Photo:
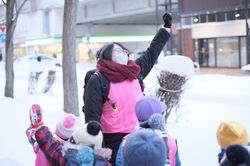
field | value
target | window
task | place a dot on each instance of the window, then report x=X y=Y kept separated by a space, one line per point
x=203 y=18
x=211 y=17
x=203 y=52
x=221 y=16
x=231 y=15
x=243 y=51
x=186 y=20
x=46 y=25
x=227 y=52
x=211 y=52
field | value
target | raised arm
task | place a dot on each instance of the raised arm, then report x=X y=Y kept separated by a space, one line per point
x=147 y=61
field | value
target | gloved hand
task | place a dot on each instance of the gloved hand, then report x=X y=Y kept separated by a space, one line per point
x=167 y=18
x=103 y=152
x=30 y=132
x=36 y=116
x=35 y=147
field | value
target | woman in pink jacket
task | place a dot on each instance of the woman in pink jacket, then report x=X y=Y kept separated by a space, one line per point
x=116 y=111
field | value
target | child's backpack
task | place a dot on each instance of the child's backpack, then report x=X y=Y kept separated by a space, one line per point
x=105 y=85
x=172 y=154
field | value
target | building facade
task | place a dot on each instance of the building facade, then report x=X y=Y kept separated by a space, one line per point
x=214 y=33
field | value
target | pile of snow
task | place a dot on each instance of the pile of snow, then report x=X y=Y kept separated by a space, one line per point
x=176 y=64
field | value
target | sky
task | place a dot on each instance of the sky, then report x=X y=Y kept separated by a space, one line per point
x=206 y=101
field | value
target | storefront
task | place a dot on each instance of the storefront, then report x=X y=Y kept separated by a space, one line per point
x=50 y=45
x=215 y=36
x=91 y=44
x=221 y=52
x=216 y=44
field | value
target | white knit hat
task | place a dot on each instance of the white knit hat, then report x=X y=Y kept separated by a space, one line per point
x=89 y=134
x=66 y=126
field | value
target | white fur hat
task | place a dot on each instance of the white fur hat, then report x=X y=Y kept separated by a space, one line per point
x=89 y=134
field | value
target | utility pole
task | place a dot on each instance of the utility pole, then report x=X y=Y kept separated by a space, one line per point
x=247 y=33
x=156 y=15
x=170 y=10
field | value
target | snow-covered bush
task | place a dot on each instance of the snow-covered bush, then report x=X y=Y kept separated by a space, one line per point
x=172 y=74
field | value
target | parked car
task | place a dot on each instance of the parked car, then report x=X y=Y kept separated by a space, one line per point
x=45 y=59
x=246 y=69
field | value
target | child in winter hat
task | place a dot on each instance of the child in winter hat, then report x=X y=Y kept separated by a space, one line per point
x=236 y=155
x=88 y=134
x=156 y=123
x=66 y=126
x=230 y=132
x=144 y=147
x=147 y=106
x=36 y=120
x=42 y=139
x=86 y=137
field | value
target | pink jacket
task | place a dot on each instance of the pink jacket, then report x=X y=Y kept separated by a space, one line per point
x=123 y=119
x=41 y=159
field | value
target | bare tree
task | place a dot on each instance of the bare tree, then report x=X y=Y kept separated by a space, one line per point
x=69 y=49
x=12 y=12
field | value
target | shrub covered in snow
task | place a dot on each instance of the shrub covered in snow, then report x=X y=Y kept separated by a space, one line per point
x=173 y=73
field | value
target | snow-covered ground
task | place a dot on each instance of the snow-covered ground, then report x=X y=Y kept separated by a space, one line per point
x=208 y=99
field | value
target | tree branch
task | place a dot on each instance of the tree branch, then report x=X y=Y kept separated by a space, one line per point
x=3 y=2
x=18 y=9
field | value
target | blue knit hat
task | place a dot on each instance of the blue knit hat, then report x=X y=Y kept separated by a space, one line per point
x=157 y=121
x=147 y=106
x=144 y=147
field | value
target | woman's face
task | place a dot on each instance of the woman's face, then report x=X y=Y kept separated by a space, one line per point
x=119 y=55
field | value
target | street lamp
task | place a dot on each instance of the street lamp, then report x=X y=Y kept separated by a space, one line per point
x=195 y=19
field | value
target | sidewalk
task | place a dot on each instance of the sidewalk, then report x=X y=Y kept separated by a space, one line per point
x=224 y=71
